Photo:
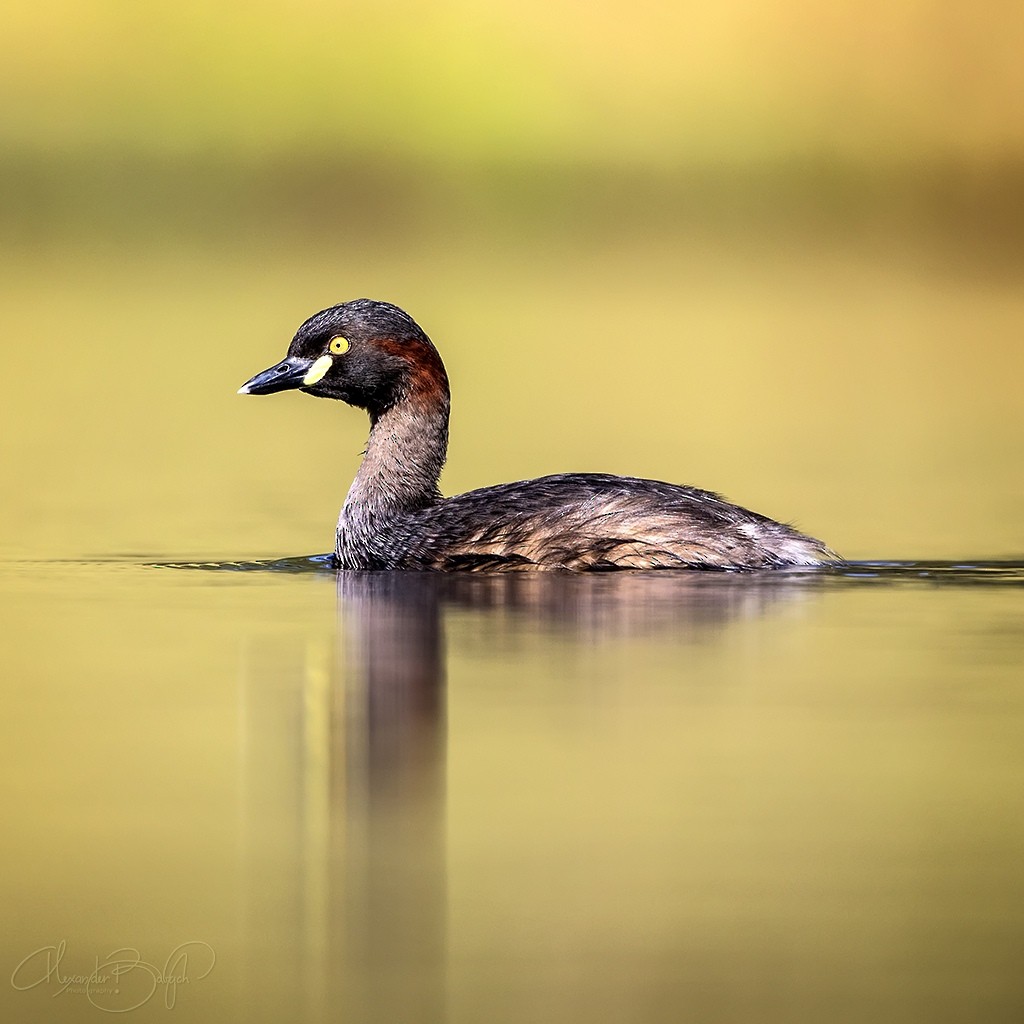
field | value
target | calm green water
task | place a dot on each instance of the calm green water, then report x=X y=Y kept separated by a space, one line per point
x=636 y=797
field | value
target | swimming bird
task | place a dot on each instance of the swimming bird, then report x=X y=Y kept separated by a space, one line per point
x=374 y=356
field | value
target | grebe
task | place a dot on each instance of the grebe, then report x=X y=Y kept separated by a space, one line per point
x=375 y=356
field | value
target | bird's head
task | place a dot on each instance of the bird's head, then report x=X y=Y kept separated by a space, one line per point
x=370 y=354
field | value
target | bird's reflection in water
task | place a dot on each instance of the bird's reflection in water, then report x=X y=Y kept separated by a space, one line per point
x=599 y=606
x=369 y=840
x=391 y=810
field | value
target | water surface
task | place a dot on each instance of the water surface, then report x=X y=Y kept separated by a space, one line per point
x=401 y=796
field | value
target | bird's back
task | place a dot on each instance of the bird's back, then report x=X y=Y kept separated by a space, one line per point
x=582 y=521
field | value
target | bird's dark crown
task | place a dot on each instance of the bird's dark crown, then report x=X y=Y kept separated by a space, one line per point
x=360 y=320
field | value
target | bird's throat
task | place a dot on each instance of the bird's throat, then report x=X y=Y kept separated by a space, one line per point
x=402 y=464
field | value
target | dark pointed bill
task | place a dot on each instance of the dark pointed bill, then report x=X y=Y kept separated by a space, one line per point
x=292 y=373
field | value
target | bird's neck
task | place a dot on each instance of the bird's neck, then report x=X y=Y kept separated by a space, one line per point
x=402 y=463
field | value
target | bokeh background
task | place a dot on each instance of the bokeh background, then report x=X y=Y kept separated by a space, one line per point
x=769 y=248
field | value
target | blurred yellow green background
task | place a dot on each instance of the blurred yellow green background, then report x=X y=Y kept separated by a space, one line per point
x=772 y=249
x=607 y=84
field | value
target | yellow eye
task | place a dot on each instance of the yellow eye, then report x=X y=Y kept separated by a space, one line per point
x=339 y=345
